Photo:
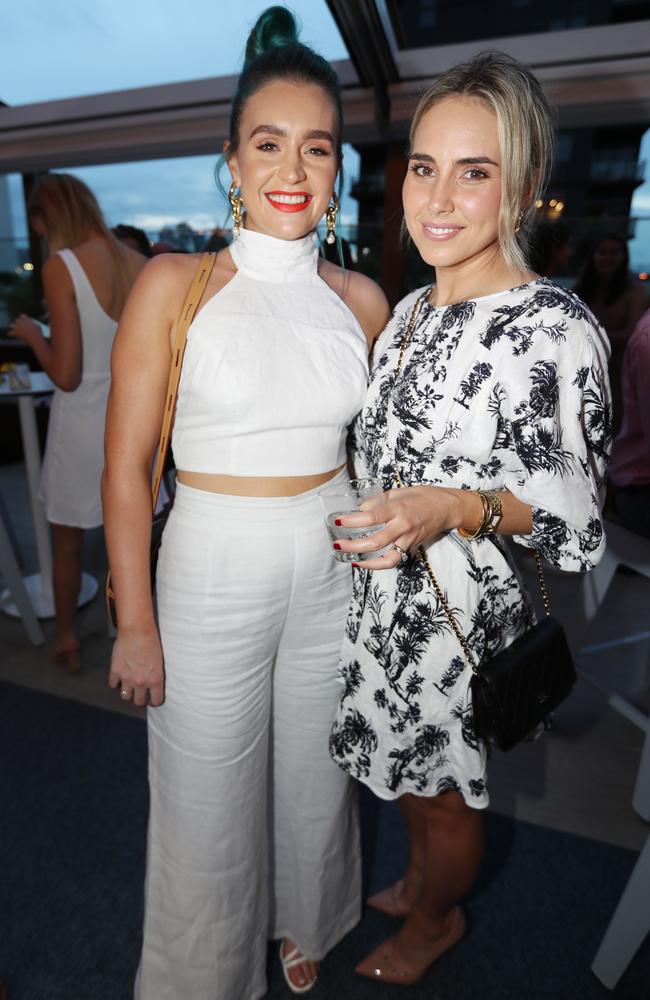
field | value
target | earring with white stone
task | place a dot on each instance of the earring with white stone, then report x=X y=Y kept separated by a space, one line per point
x=330 y=218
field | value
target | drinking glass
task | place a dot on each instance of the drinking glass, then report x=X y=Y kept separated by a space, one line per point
x=346 y=498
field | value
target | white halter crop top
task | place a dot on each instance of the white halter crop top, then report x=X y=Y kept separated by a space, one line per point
x=275 y=368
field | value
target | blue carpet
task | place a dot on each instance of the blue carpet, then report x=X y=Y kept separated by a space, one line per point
x=72 y=833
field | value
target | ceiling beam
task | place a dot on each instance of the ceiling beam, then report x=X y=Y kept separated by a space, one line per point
x=596 y=80
x=148 y=123
x=370 y=50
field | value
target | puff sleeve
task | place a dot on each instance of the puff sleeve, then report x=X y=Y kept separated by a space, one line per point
x=555 y=429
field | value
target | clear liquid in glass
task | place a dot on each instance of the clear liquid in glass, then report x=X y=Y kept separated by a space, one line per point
x=338 y=532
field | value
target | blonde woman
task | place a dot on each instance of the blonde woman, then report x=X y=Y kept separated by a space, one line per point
x=86 y=281
x=493 y=379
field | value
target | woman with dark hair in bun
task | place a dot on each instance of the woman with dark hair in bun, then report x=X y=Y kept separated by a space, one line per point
x=253 y=831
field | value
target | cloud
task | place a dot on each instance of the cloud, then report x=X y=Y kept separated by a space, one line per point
x=63 y=48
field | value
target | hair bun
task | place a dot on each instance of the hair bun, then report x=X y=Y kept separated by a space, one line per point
x=275 y=27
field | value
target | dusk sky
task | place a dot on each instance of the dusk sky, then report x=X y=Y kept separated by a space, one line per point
x=63 y=48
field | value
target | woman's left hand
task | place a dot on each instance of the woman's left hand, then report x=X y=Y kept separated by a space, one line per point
x=412 y=516
x=24 y=328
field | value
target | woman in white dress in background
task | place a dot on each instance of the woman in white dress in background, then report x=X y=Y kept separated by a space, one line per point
x=86 y=281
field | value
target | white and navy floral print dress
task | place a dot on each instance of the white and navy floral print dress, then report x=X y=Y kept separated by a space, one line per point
x=508 y=391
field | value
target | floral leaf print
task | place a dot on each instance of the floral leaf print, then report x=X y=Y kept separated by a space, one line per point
x=470 y=386
x=477 y=786
x=466 y=716
x=352 y=677
x=451 y=675
x=429 y=741
x=532 y=415
x=447 y=784
x=354 y=734
x=597 y=419
x=581 y=377
x=545 y=389
x=541 y=449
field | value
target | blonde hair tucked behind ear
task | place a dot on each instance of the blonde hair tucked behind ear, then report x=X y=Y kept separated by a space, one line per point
x=526 y=129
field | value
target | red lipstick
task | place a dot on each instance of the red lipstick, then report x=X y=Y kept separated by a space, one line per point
x=289 y=201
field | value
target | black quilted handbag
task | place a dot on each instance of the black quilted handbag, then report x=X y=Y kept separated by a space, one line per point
x=517 y=689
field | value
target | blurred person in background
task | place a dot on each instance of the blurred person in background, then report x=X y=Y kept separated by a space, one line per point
x=617 y=300
x=629 y=471
x=218 y=240
x=253 y=832
x=86 y=280
x=550 y=250
x=163 y=246
x=133 y=237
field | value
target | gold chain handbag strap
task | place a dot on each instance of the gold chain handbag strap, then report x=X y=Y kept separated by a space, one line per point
x=421 y=550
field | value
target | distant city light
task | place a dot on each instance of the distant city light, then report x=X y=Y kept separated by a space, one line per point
x=28 y=267
x=644 y=276
x=539 y=203
x=558 y=206
x=552 y=202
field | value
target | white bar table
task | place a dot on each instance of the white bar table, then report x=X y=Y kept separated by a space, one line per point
x=39 y=585
x=16 y=590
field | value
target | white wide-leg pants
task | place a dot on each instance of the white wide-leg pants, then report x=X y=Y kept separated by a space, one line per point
x=253 y=831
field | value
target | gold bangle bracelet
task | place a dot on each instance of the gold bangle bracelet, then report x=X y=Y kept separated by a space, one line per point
x=492 y=514
x=465 y=532
x=495 y=506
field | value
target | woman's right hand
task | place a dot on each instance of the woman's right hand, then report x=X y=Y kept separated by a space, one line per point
x=137 y=667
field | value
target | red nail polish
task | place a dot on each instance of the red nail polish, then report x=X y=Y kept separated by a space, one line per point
x=355 y=565
x=338 y=522
x=337 y=546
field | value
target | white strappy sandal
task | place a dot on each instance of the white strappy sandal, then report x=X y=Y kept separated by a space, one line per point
x=290 y=961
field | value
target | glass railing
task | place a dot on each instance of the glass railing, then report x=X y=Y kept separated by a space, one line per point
x=363 y=247
x=16 y=285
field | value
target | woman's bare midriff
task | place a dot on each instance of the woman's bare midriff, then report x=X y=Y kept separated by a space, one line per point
x=255 y=486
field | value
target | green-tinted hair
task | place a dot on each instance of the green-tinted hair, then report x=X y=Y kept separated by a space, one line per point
x=273 y=52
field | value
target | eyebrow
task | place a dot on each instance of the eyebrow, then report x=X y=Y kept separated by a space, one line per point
x=316 y=133
x=464 y=161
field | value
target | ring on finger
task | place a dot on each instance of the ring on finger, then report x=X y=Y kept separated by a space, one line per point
x=125 y=693
x=403 y=555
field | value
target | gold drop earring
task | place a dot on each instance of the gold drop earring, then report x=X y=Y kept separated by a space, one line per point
x=519 y=222
x=330 y=217
x=237 y=205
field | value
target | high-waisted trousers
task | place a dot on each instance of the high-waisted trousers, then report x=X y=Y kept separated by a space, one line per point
x=253 y=831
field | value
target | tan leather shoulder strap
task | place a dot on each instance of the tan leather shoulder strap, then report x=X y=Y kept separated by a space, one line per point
x=192 y=302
